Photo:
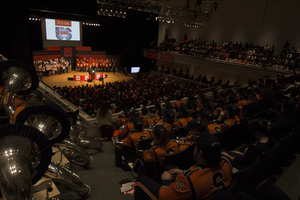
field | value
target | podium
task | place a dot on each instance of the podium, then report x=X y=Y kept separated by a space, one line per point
x=92 y=73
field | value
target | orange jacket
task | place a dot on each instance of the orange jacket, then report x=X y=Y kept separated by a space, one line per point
x=132 y=140
x=206 y=180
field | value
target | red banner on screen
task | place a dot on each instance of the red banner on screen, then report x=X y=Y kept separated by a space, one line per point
x=151 y=55
x=83 y=48
x=86 y=77
x=97 y=76
x=82 y=77
x=59 y=22
x=53 y=48
x=166 y=57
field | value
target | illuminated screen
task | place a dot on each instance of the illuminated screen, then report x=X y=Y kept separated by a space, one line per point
x=65 y=30
x=135 y=70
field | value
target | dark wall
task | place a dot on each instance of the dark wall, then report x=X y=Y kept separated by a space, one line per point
x=14 y=34
x=117 y=36
x=261 y=22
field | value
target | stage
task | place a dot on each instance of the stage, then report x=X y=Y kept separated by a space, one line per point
x=62 y=79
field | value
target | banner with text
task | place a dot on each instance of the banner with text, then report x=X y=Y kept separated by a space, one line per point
x=166 y=57
x=151 y=55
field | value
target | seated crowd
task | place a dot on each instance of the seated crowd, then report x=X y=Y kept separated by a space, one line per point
x=201 y=79
x=99 y=64
x=235 y=52
x=267 y=105
x=271 y=108
x=130 y=93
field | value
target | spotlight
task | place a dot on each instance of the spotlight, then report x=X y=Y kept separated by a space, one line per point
x=29 y=18
x=105 y=12
x=83 y=23
x=110 y=13
x=120 y=14
x=173 y=21
x=100 y=12
x=124 y=15
x=36 y=19
x=115 y=14
x=39 y=19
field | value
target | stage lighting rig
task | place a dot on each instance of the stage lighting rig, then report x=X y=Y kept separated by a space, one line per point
x=194 y=12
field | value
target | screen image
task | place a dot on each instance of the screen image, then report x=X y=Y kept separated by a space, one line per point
x=135 y=70
x=65 y=30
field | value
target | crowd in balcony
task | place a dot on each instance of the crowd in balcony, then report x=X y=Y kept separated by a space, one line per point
x=238 y=52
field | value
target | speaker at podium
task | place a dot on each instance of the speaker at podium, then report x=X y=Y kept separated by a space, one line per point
x=92 y=72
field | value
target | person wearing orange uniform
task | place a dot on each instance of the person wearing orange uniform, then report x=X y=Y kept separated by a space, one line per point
x=195 y=128
x=169 y=122
x=210 y=173
x=152 y=118
x=229 y=117
x=129 y=145
x=184 y=114
x=123 y=120
x=154 y=157
x=123 y=131
x=177 y=103
x=208 y=118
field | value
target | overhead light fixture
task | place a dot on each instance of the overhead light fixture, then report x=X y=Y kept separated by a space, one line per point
x=124 y=15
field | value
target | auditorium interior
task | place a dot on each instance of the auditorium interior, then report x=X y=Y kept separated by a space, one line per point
x=79 y=77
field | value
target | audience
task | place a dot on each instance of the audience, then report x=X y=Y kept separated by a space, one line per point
x=259 y=129
x=215 y=113
x=289 y=58
x=210 y=173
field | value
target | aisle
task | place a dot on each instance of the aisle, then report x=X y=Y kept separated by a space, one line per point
x=102 y=175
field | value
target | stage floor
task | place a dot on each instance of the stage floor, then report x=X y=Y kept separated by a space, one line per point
x=62 y=79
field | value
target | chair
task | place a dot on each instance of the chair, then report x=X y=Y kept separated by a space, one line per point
x=260 y=172
x=240 y=178
x=294 y=140
x=106 y=131
x=234 y=136
x=144 y=144
x=183 y=159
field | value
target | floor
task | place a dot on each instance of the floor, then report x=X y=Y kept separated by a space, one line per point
x=62 y=79
x=101 y=175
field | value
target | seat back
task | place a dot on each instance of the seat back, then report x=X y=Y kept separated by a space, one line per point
x=259 y=173
x=240 y=178
x=106 y=131
x=144 y=144
x=234 y=136
x=183 y=159
x=294 y=140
